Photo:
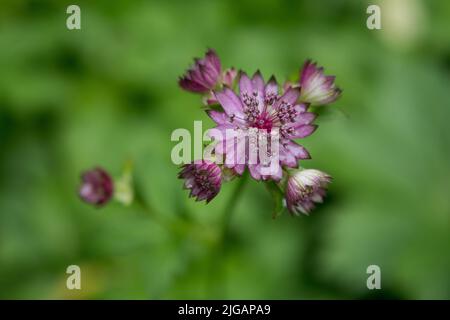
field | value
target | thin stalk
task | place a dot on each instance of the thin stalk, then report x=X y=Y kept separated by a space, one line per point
x=231 y=205
x=216 y=275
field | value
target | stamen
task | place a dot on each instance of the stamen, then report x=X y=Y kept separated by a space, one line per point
x=251 y=106
x=286 y=112
x=270 y=98
x=286 y=131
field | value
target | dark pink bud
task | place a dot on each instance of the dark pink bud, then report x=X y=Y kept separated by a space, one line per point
x=203 y=178
x=97 y=186
x=204 y=75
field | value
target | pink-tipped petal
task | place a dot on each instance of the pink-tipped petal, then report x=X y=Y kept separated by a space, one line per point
x=218 y=117
x=258 y=83
x=271 y=88
x=213 y=59
x=229 y=102
x=305 y=118
x=245 y=84
x=290 y=96
x=303 y=131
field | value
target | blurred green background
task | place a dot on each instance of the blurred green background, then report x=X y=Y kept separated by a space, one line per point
x=70 y=100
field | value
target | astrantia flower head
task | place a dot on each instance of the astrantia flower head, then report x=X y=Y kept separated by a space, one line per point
x=203 y=178
x=317 y=88
x=204 y=75
x=261 y=109
x=304 y=189
x=257 y=124
x=97 y=186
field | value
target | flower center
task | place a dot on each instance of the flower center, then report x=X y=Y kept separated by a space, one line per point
x=265 y=117
x=263 y=122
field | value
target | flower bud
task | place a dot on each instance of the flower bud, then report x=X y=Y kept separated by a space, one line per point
x=304 y=189
x=204 y=75
x=203 y=178
x=316 y=88
x=97 y=186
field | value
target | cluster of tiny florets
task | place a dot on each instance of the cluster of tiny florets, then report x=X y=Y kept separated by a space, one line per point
x=260 y=108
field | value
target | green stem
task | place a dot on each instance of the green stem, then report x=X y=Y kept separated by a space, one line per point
x=231 y=205
x=216 y=274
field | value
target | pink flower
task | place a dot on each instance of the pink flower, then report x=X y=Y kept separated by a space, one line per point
x=203 y=178
x=97 y=186
x=204 y=75
x=316 y=88
x=261 y=110
x=304 y=189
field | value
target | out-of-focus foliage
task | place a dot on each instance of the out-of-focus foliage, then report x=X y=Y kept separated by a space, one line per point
x=70 y=100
